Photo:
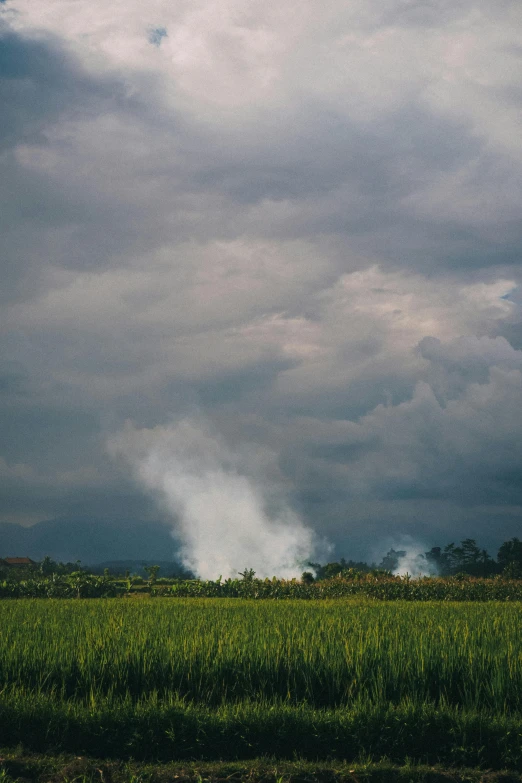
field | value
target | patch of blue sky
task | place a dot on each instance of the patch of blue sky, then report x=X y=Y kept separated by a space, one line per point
x=509 y=294
x=156 y=34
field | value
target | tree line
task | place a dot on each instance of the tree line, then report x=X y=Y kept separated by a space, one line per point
x=467 y=558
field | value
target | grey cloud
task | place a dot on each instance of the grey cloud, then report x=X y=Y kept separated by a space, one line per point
x=455 y=365
x=465 y=450
x=41 y=216
x=163 y=252
x=25 y=500
x=36 y=84
x=41 y=82
x=513 y=333
x=314 y=150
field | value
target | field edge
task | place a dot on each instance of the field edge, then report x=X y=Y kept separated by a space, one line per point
x=17 y=766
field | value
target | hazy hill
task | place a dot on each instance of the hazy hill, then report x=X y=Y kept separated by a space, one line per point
x=89 y=540
x=167 y=568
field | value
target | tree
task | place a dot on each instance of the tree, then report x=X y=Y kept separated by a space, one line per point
x=391 y=561
x=512 y=571
x=487 y=564
x=467 y=558
x=434 y=554
x=471 y=554
x=248 y=574
x=473 y=560
x=510 y=552
x=48 y=566
x=152 y=571
x=452 y=559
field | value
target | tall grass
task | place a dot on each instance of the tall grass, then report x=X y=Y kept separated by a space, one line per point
x=189 y=669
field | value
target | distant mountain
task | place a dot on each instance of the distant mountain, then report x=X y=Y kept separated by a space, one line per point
x=89 y=540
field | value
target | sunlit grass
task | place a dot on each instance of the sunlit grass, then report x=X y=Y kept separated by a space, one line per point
x=325 y=653
x=229 y=677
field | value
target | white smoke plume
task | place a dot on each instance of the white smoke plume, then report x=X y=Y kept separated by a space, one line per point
x=229 y=509
x=414 y=564
x=412 y=560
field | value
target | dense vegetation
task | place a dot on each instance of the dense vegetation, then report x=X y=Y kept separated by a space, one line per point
x=349 y=583
x=162 y=679
x=380 y=586
x=466 y=558
x=78 y=584
x=458 y=573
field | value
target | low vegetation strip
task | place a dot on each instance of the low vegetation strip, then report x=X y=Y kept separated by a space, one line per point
x=382 y=587
x=19 y=767
x=158 y=731
x=234 y=679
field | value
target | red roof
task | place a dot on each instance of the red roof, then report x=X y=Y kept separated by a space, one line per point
x=18 y=561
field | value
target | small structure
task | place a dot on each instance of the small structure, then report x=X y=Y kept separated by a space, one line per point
x=17 y=562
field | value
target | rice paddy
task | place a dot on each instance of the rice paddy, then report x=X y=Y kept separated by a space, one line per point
x=182 y=679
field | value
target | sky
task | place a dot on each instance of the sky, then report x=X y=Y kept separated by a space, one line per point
x=287 y=235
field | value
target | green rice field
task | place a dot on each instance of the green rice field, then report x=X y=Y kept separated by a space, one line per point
x=162 y=679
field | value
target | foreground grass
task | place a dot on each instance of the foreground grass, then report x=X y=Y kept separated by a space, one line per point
x=19 y=767
x=161 y=680
x=152 y=731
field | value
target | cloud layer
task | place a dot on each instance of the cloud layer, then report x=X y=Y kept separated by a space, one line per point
x=300 y=223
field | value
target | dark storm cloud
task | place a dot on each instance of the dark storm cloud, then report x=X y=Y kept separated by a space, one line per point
x=36 y=84
x=454 y=454
x=40 y=85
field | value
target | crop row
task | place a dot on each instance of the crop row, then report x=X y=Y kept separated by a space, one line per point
x=383 y=588
x=368 y=586
x=326 y=654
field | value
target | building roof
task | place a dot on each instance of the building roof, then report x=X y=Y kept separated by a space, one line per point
x=18 y=561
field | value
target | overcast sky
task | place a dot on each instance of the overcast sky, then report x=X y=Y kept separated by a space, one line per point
x=298 y=222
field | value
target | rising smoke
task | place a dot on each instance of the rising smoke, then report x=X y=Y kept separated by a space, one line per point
x=411 y=559
x=413 y=563
x=228 y=509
